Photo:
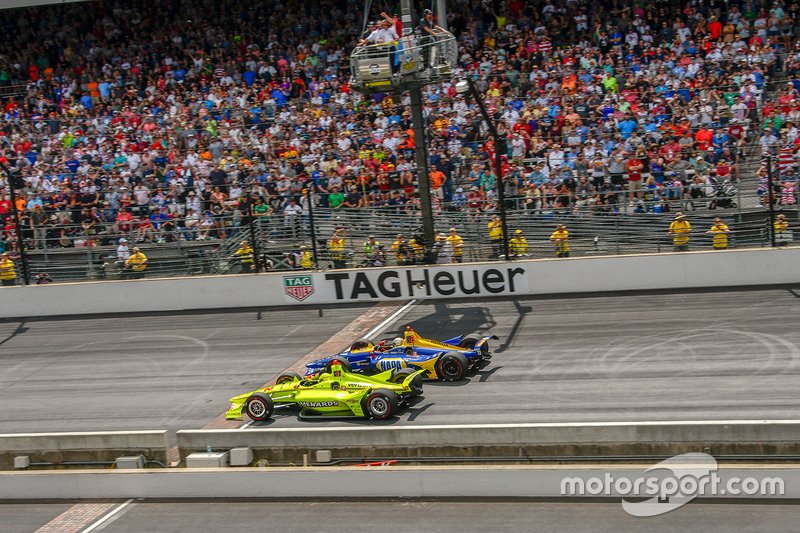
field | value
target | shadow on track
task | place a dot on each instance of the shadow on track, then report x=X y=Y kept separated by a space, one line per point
x=446 y=322
x=522 y=310
x=21 y=328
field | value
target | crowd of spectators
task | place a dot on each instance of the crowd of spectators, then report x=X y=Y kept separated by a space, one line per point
x=182 y=118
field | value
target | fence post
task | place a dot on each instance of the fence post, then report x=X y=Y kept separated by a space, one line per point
x=88 y=243
x=254 y=244
x=312 y=227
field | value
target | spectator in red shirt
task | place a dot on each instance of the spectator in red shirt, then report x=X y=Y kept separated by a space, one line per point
x=634 y=167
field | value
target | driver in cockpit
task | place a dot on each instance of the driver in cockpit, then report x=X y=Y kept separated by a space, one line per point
x=388 y=344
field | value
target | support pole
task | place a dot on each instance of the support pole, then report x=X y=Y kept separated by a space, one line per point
x=441 y=14
x=421 y=158
x=310 y=200
x=26 y=273
x=498 y=163
x=253 y=236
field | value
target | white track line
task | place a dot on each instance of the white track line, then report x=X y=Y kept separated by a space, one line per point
x=108 y=516
x=372 y=332
x=393 y=316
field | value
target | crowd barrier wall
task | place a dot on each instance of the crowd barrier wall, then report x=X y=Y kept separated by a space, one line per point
x=772 y=266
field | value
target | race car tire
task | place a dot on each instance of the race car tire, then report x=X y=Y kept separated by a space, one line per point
x=288 y=377
x=342 y=361
x=380 y=404
x=469 y=341
x=401 y=374
x=452 y=366
x=259 y=406
x=360 y=344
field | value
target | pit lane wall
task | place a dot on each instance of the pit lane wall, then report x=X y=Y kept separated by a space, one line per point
x=476 y=280
x=63 y=450
x=483 y=442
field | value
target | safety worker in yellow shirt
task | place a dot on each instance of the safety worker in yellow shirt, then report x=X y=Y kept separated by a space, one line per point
x=370 y=246
x=337 y=248
x=781 y=228
x=560 y=237
x=8 y=274
x=719 y=230
x=306 y=259
x=458 y=245
x=495 y=228
x=403 y=253
x=417 y=249
x=517 y=245
x=680 y=230
x=244 y=254
x=136 y=263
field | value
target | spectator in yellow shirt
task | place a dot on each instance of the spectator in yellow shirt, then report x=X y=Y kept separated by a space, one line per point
x=680 y=230
x=720 y=232
x=137 y=263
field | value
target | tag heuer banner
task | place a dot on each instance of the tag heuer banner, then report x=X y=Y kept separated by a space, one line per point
x=298 y=287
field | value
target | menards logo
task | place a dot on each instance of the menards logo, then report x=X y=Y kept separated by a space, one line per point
x=298 y=287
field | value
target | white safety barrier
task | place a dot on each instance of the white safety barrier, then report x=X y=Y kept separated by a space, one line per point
x=367 y=483
x=519 y=278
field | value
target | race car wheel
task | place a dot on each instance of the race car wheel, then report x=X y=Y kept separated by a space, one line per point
x=342 y=361
x=259 y=407
x=360 y=344
x=469 y=341
x=381 y=404
x=452 y=366
x=288 y=377
x=401 y=374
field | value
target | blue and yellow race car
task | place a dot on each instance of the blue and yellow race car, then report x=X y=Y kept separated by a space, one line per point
x=450 y=360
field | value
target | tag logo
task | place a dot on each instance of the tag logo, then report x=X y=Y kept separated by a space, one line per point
x=298 y=287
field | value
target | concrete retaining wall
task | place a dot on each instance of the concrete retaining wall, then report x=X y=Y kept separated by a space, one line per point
x=520 y=278
x=61 y=448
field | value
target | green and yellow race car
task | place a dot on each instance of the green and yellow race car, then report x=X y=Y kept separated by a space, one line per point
x=337 y=393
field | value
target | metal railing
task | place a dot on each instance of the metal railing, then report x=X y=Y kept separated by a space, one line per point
x=411 y=61
x=68 y=252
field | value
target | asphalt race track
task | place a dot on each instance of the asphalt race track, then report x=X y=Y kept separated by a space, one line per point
x=429 y=516
x=699 y=356
x=147 y=372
